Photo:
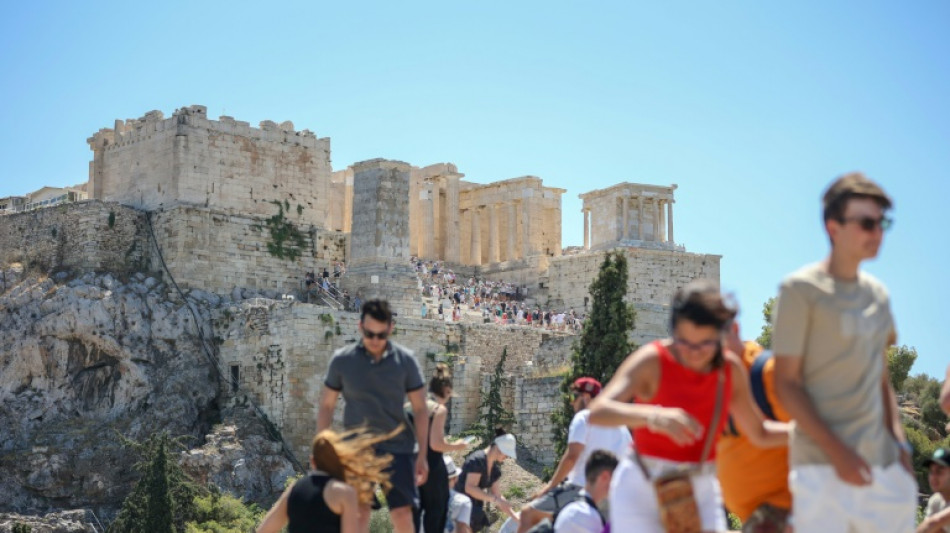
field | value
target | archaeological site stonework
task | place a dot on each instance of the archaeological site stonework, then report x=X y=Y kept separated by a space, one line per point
x=241 y=213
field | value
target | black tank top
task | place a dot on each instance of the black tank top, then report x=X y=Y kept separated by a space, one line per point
x=306 y=509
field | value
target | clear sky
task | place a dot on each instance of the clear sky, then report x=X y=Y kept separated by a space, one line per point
x=752 y=108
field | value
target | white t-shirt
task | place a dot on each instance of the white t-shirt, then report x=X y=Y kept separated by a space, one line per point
x=460 y=510
x=578 y=517
x=615 y=439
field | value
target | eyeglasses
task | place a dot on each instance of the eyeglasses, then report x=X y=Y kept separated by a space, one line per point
x=702 y=345
x=381 y=335
x=870 y=223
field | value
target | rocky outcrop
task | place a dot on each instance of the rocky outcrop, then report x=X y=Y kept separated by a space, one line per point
x=82 y=362
x=79 y=521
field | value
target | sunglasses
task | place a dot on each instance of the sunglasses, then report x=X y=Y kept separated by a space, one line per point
x=703 y=345
x=381 y=335
x=870 y=223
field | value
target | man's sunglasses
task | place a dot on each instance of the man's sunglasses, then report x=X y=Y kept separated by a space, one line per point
x=381 y=335
x=870 y=223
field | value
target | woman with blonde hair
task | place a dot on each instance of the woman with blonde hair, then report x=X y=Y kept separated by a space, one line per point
x=345 y=473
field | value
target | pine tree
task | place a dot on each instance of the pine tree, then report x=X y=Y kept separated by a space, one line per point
x=605 y=341
x=492 y=408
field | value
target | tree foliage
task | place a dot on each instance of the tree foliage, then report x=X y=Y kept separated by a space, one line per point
x=900 y=359
x=219 y=512
x=604 y=342
x=765 y=337
x=492 y=407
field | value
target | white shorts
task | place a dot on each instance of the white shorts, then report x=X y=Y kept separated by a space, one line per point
x=822 y=502
x=633 y=504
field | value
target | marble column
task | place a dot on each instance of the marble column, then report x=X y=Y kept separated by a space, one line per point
x=492 y=234
x=656 y=220
x=453 y=252
x=669 y=216
x=625 y=210
x=476 y=255
x=586 y=228
x=640 y=217
x=662 y=233
x=428 y=226
x=438 y=221
x=527 y=206
x=512 y=232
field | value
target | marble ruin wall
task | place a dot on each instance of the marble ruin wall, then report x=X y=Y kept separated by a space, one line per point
x=224 y=164
x=653 y=278
x=217 y=251
x=92 y=236
x=279 y=352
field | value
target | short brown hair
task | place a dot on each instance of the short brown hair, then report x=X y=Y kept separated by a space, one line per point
x=848 y=186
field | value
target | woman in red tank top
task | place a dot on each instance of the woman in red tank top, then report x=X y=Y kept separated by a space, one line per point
x=666 y=393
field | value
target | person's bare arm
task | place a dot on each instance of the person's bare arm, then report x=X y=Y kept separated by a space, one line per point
x=564 y=466
x=935 y=522
x=473 y=491
x=746 y=413
x=945 y=393
x=276 y=518
x=420 y=413
x=328 y=401
x=638 y=376
x=462 y=527
x=437 y=440
x=501 y=502
x=789 y=385
x=341 y=499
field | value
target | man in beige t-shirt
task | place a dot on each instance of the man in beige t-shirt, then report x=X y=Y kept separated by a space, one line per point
x=849 y=460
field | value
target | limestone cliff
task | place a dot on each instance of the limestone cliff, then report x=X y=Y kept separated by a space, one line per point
x=86 y=359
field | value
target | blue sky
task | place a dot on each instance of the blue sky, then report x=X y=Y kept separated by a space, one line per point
x=750 y=107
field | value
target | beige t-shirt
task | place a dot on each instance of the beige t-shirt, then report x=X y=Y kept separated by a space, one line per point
x=841 y=330
x=935 y=504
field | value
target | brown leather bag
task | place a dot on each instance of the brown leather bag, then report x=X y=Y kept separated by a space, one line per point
x=674 y=488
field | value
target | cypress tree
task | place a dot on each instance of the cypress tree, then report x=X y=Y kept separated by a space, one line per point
x=158 y=506
x=604 y=341
x=492 y=408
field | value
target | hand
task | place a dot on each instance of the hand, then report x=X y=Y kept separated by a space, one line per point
x=422 y=470
x=503 y=505
x=851 y=468
x=676 y=424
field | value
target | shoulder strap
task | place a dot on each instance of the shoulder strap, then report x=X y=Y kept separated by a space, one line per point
x=717 y=413
x=757 y=380
x=593 y=504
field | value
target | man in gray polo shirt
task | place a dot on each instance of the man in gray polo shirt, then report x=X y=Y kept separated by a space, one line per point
x=376 y=376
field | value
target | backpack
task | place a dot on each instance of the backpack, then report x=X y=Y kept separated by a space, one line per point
x=757 y=383
x=547 y=526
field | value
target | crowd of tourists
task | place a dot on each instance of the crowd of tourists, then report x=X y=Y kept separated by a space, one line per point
x=687 y=426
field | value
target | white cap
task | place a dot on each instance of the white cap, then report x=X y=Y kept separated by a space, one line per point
x=506 y=443
x=450 y=467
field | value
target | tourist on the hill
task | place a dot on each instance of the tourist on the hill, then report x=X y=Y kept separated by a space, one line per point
x=344 y=472
x=850 y=461
x=434 y=493
x=459 y=515
x=755 y=480
x=583 y=514
x=479 y=478
x=677 y=394
x=583 y=439
x=938 y=508
x=336 y=269
x=376 y=376
x=326 y=273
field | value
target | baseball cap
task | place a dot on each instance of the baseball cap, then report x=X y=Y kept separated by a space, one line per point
x=506 y=443
x=941 y=456
x=588 y=385
x=450 y=467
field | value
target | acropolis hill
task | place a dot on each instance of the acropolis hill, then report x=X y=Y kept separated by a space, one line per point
x=233 y=216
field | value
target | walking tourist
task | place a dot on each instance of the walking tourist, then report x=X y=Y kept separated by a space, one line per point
x=376 y=376
x=850 y=461
x=583 y=514
x=684 y=388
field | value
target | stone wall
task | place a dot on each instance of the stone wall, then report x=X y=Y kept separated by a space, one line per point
x=217 y=251
x=535 y=401
x=225 y=164
x=653 y=278
x=89 y=236
x=280 y=352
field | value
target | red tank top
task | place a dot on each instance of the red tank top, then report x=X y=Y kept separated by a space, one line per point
x=693 y=392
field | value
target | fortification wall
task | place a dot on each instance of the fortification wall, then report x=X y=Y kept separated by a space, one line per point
x=152 y=162
x=653 y=276
x=217 y=251
x=281 y=351
x=87 y=235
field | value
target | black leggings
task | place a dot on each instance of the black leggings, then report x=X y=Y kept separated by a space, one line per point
x=433 y=496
